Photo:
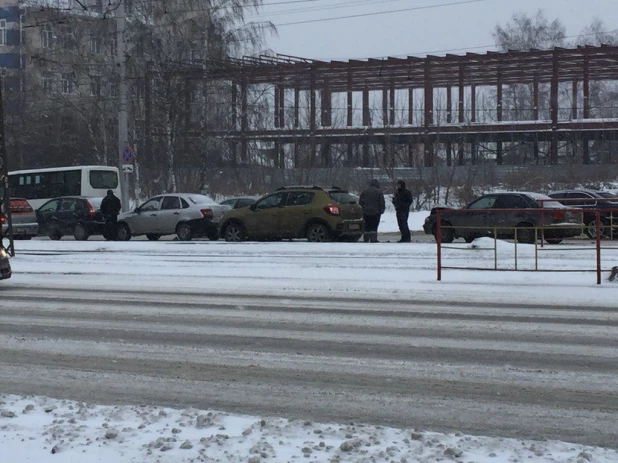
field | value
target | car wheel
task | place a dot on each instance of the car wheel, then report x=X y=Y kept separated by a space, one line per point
x=54 y=234
x=447 y=234
x=591 y=229
x=184 y=232
x=123 y=232
x=526 y=234
x=318 y=233
x=153 y=237
x=234 y=232
x=80 y=233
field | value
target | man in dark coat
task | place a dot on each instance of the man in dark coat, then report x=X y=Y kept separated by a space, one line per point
x=402 y=200
x=372 y=202
x=111 y=207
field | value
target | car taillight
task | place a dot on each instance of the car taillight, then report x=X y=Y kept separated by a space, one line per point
x=332 y=210
x=2 y=219
x=91 y=211
x=207 y=213
x=558 y=215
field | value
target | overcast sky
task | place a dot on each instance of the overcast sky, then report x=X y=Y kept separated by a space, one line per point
x=456 y=27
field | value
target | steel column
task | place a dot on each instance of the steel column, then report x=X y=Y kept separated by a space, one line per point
x=234 y=106
x=392 y=103
x=473 y=103
x=350 y=121
x=410 y=106
x=461 y=95
x=276 y=106
x=281 y=106
x=574 y=115
x=384 y=107
x=554 y=109
x=586 y=104
x=326 y=105
x=244 y=119
x=296 y=107
x=428 y=119
x=535 y=99
x=366 y=113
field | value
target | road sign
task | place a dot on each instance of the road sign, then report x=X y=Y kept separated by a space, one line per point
x=128 y=155
x=127 y=168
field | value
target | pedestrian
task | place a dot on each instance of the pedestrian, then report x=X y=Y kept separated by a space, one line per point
x=372 y=202
x=402 y=200
x=110 y=208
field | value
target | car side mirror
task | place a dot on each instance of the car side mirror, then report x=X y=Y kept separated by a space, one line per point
x=253 y=207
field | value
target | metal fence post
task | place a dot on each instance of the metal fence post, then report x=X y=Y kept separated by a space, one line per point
x=598 y=243
x=439 y=243
x=495 y=249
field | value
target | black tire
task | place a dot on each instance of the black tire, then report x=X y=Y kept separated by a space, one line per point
x=54 y=234
x=123 y=232
x=153 y=237
x=526 y=235
x=184 y=231
x=318 y=233
x=234 y=232
x=554 y=240
x=213 y=236
x=80 y=233
x=448 y=234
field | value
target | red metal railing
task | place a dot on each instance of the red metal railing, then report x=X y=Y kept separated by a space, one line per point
x=540 y=232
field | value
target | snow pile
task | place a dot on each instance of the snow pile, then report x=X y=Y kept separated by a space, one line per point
x=34 y=428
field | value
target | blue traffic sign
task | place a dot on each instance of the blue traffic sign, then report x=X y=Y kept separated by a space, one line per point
x=128 y=155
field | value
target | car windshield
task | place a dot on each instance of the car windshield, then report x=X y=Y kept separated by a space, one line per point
x=545 y=201
x=342 y=197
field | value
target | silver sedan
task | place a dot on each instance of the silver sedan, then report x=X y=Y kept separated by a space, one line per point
x=185 y=214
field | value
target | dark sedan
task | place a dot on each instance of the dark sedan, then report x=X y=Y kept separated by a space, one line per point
x=71 y=215
x=591 y=201
x=513 y=210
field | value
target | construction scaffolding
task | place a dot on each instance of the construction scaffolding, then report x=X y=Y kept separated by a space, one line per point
x=427 y=105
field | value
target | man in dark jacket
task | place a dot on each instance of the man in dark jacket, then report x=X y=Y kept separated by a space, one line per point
x=402 y=200
x=111 y=207
x=372 y=202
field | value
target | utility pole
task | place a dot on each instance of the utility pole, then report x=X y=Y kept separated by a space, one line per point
x=123 y=130
x=4 y=182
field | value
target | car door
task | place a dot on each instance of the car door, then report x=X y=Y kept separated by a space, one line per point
x=517 y=213
x=263 y=221
x=168 y=216
x=146 y=219
x=295 y=213
x=476 y=218
x=45 y=215
x=66 y=215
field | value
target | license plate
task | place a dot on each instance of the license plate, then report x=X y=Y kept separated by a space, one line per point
x=354 y=226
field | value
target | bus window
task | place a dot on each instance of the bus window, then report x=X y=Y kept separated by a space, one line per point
x=103 y=179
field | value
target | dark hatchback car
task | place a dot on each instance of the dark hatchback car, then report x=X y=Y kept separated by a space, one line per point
x=71 y=215
x=590 y=201
x=476 y=219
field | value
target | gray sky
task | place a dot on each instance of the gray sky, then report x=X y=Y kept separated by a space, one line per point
x=464 y=26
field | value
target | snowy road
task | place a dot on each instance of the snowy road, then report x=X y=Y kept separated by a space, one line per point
x=506 y=368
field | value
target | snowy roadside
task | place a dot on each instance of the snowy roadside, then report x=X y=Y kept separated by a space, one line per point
x=40 y=429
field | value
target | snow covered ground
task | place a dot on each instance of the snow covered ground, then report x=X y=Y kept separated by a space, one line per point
x=40 y=429
x=388 y=224
x=37 y=429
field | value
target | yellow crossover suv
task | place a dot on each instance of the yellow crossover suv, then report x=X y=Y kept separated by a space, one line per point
x=316 y=213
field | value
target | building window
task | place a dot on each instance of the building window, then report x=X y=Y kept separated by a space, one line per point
x=67 y=84
x=68 y=39
x=95 y=44
x=47 y=84
x=95 y=85
x=113 y=89
x=2 y=31
x=46 y=36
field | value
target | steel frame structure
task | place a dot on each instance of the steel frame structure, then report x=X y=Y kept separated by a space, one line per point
x=458 y=74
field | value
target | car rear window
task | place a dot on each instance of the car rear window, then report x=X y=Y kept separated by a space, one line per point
x=342 y=197
x=200 y=199
x=545 y=201
x=96 y=202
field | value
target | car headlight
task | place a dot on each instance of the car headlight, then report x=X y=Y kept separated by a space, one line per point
x=3 y=253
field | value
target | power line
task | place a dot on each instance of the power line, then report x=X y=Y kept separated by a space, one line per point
x=416 y=8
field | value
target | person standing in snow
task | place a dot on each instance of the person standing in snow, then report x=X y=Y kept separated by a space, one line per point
x=111 y=207
x=372 y=202
x=402 y=200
